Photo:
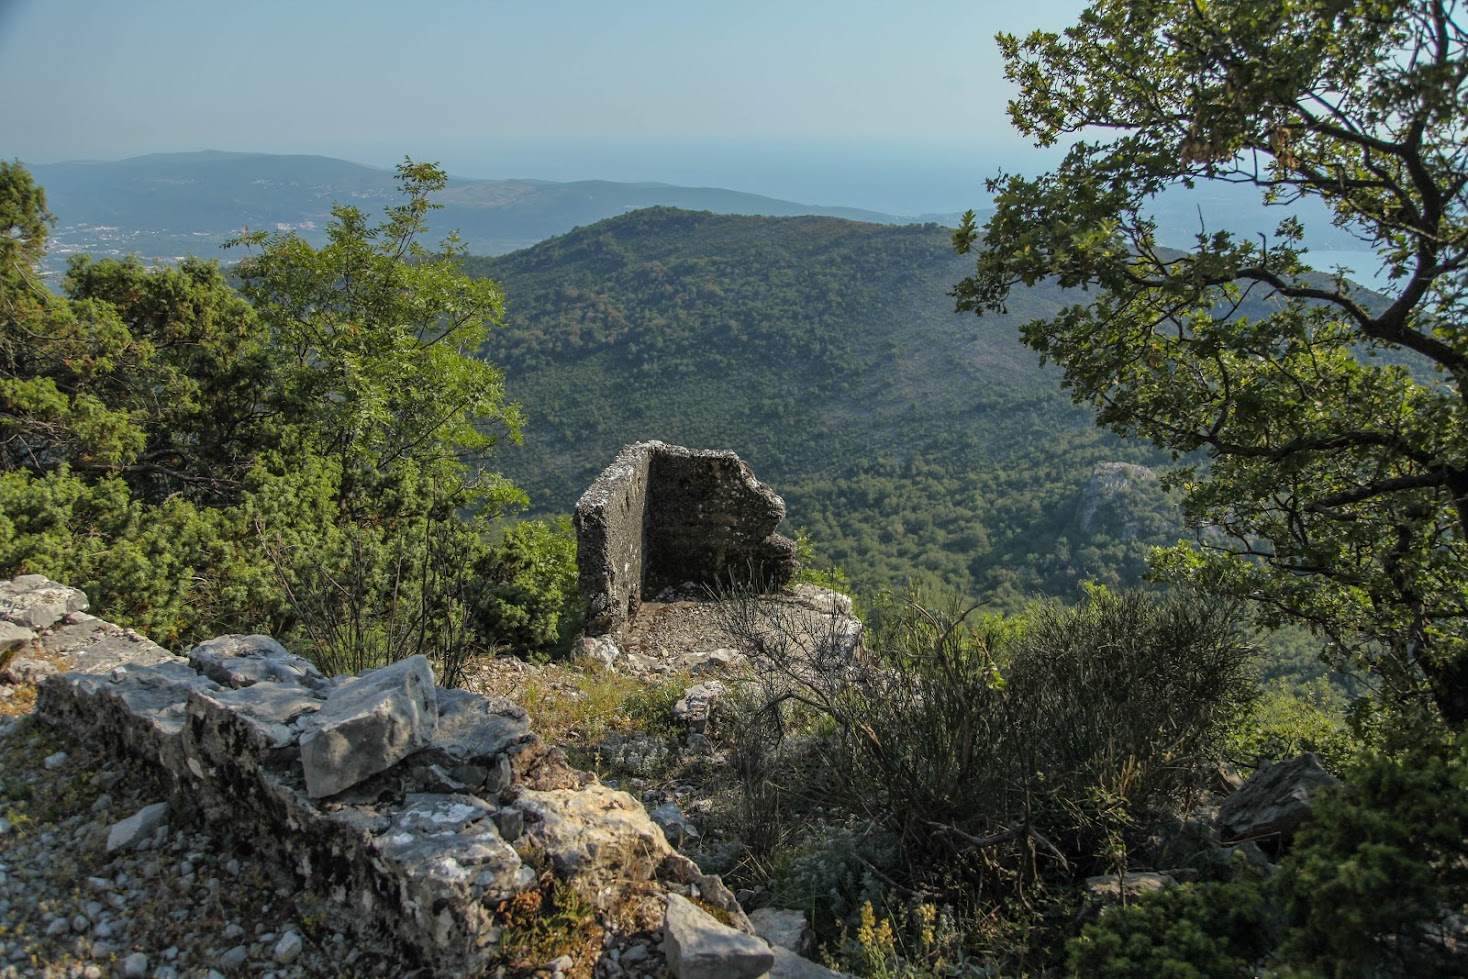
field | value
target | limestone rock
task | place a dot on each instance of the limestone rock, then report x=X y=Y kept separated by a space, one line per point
x=35 y=602
x=368 y=724
x=242 y=661
x=87 y=644
x=23 y=669
x=789 y=965
x=593 y=836
x=475 y=731
x=601 y=649
x=128 y=833
x=420 y=851
x=675 y=826
x=696 y=705
x=12 y=635
x=782 y=928
x=699 y=946
x=1117 y=499
x=1274 y=801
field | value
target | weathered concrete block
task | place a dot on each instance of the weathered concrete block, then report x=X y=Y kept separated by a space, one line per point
x=369 y=724
x=664 y=515
x=699 y=946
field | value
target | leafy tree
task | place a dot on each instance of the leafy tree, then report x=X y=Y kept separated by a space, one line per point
x=1334 y=419
x=376 y=342
x=310 y=460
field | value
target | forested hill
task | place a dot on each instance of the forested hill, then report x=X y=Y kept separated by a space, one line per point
x=907 y=439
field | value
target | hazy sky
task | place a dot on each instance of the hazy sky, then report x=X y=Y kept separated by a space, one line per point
x=884 y=105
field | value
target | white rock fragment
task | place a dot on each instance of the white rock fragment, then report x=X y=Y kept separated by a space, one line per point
x=137 y=828
x=288 y=949
x=367 y=725
x=699 y=946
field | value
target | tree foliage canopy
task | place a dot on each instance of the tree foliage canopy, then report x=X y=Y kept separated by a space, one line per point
x=309 y=456
x=1334 y=419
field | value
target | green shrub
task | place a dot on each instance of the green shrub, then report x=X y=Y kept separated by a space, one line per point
x=1203 y=931
x=1288 y=720
x=1008 y=747
x=1378 y=874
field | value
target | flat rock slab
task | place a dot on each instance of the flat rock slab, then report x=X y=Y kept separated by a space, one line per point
x=782 y=928
x=368 y=724
x=12 y=635
x=243 y=661
x=36 y=602
x=788 y=965
x=699 y=946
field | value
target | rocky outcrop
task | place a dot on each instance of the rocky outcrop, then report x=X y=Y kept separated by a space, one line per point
x=662 y=515
x=421 y=808
x=1118 y=500
x=1275 y=800
x=699 y=946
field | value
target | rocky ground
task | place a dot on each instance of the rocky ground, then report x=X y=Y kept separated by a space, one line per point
x=185 y=900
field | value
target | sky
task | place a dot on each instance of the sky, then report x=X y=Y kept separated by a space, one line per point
x=893 y=107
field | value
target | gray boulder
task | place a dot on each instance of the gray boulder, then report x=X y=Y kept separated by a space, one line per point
x=368 y=724
x=1274 y=801
x=12 y=635
x=242 y=661
x=699 y=946
x=36 y=602
x=782 y=928
x=140 y=826
x=602 y=649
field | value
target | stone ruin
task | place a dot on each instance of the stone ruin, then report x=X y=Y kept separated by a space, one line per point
x=420 y=808
x=664 y=516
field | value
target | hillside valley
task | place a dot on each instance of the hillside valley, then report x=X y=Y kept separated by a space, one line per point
x=909 y=442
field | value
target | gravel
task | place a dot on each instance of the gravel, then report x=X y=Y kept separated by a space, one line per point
x=187 y=904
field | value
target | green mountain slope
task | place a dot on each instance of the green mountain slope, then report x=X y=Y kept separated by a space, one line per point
x=910 y=441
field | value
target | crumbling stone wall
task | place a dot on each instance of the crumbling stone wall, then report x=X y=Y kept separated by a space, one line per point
x=664 y=515
x=419 y=807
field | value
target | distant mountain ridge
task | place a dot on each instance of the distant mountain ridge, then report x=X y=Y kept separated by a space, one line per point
x=166 y=205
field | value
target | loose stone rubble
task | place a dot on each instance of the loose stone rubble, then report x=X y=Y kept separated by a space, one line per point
x=662 y=515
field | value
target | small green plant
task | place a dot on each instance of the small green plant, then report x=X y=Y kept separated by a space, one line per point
x=814 y=573
x=541 y=924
